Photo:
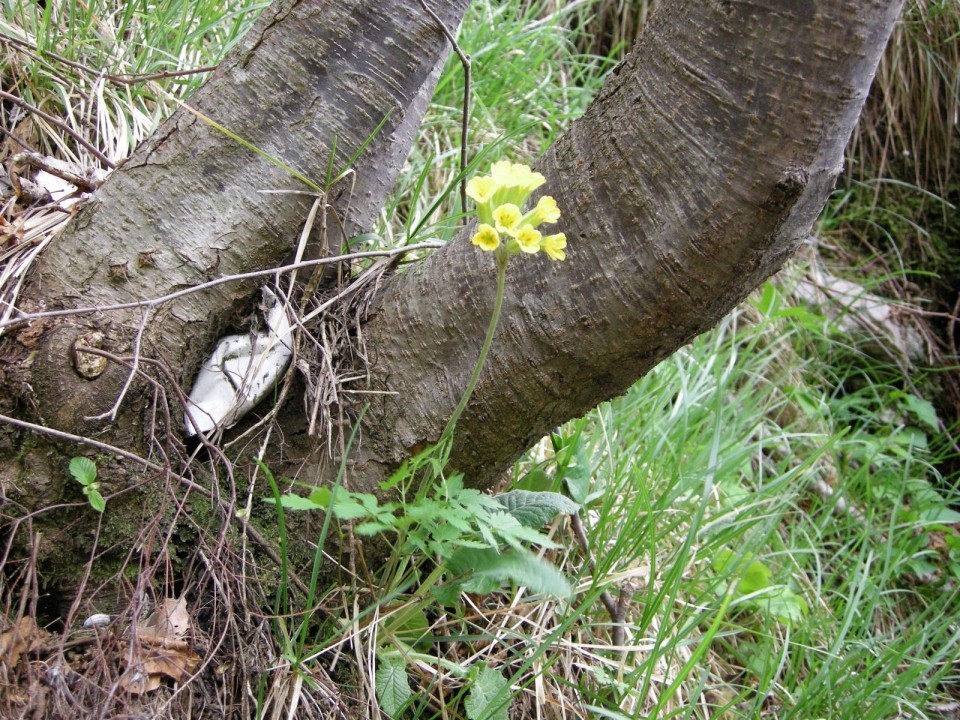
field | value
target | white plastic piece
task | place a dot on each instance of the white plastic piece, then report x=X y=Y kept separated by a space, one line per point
x=241 y=372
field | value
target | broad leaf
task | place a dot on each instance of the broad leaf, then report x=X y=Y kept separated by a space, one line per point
x=296 y=502
x=536 y=509
x=487 y=570
x=393 y=690
x=489 y=697
x=755 y=578
x=83 y=469
x=97 y=501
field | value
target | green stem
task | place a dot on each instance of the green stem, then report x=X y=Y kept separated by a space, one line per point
x=487 y=342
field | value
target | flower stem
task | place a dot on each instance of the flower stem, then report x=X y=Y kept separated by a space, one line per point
x=487 y=342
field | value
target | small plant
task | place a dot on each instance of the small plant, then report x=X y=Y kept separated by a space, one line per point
x=478 y=543
x=84 y=471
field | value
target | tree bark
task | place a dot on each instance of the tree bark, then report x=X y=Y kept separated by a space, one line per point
x=694 y=175
x=193 y=204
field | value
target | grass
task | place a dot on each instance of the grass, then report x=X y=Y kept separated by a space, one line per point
x=82 y=61
x=765 y=506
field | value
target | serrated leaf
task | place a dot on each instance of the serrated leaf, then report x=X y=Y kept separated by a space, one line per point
x=486 y=570
x=489 y=696
x=84 y=470
x=346 y=508
x=96 y=500
x=372 y=528
x=393 y=690
x=408 y=626
x=536 y=509
x=447 y=594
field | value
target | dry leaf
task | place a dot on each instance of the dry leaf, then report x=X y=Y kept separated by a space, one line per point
x=23 y=637
x=160 y=652
x=169 y=621
x=171 y=659
x=10 y=233
x=26 y=132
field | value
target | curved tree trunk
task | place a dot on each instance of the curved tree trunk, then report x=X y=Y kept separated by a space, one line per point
x=190 y=205
x=694 y=175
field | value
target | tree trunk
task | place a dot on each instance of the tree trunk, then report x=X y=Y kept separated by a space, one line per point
x=192 y=204
x=693 y=177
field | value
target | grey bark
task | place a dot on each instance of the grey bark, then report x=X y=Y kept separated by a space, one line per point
x=693 y=177
x=192 y=204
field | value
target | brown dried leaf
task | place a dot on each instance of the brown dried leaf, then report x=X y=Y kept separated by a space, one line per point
x=10 y=232
x=21 y=638
x=26 y=132
x=138 y=683
x=159 y=659
x=160 y=652
x=170 y=621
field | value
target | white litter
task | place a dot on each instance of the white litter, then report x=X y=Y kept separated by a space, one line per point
x=241 y=372
x=97 y=620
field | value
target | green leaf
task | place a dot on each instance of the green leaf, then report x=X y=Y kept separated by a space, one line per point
x=489 y=697
x=408 y=626
x=578 y=473
x=755 y=578
x=939 y=515
x=83 y=469
x=536 y=481
x=486 y=570
x=96 y=499
x=372 y=528
x=536 y=509
x=783 y=604
x=723 y=559
x=393 y=690
x=447 y=594
x=296 y=502
x=398 y=476
x=921 y=409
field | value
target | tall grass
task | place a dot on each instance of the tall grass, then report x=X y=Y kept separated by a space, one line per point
x=84 y=62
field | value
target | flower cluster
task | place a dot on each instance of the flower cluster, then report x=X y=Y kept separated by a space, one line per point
x=504 y=227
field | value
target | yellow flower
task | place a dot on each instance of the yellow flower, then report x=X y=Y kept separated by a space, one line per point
x=507 y=219
x=546 y=211
x=528 y=239
x=516 y=175
x=481 y=189
x=487 y=238
x=524 y=177
x=553 y=246
x=501 y=171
